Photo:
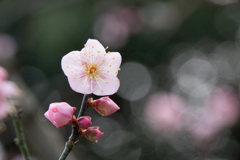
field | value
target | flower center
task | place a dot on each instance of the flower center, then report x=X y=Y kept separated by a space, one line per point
x=92 y=70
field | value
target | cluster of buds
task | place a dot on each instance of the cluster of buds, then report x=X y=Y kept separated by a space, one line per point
x=61 y=114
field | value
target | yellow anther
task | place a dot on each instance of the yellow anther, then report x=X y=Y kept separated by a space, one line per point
x=108 y=52
x=84 y=66
x=91 y=77
x=92 y=46
x=107 y=71
x=107 y=47
x=98 y=76
x=82 y=82
x=98 y=51
x=74 y=77
x=89 y=56
x=67 y=66
x=104 y=54
x=89 y=52
x=72 y=71
x=101 y=90
x=92 y=54
x=84 y=92
x=73 y=52
x=118 y=80
x=106 y=82
x=84 y=54
x=110 y=65
x=113 y=58
x=91 y=91
x=97 y=79
x=84 y=71
x=119 y=69
x=96 y=58
x=103 y=60
x=81 y=60
x=116 y=72
x=102 y=67
x=85 y=45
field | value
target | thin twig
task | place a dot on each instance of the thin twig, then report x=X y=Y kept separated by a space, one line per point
x=20 y=140
x=73 y=139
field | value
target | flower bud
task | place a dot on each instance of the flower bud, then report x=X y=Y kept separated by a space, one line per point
x=84 y=122
x=92 y=133
x=60 y=114
x=104 y=106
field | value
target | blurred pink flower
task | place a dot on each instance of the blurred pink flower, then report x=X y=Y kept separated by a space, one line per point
x=84 y=122
x=3 y=74
x=8 y=89
x=92 y=133
x=60 y=114
x=164 y=112
x=92 y=70
x=104 y=106
x=224 y=106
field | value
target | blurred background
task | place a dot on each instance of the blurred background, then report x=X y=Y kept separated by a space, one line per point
x=180 y=76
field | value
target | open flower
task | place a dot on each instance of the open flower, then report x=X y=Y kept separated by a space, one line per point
x=92 y=70
x=60 y=114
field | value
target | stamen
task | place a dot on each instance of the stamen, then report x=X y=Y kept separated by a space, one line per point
x=84 y=54
x=101 y=90
x=107 y=71
x=116 y=72
x=92 y=46
x=110 y=65
x=98 y=51
x=108 y=52
x=119 y=69
x=107 y=47
x=113 y=58
x=85 y=46
x=102 y=67
x=75 y=78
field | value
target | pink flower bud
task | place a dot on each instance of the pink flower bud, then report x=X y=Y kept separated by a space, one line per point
x=104 y=106
x=3 y=73
x=84 y=122
x=60 y=114
x=92 y=133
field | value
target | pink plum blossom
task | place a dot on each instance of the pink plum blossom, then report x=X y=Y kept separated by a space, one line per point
x=92 y=133
x=104 y=106
x=60 y=114
x=92 y=70
x=84 y=122
x=164 y=112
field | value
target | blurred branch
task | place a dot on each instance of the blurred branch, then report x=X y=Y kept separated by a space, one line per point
x=20 y=140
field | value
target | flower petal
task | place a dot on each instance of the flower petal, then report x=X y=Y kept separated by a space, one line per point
x=71 y=63
x=111 y=63
x=80 y=84
x=107 y=85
